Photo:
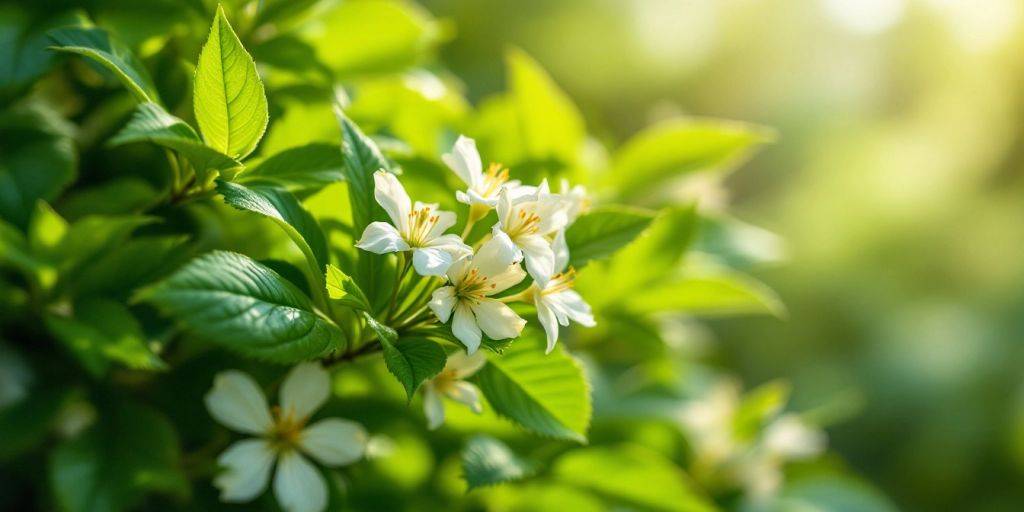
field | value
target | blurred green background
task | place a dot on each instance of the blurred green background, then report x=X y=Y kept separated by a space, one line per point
x=896 y=185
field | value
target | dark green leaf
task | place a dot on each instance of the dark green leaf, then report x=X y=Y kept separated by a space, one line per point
x=135 y=263
x=487 y=461
x=23 y=42
x=25 y=424
x=229 y=299
x=601 y=232
x=413 y=360
x=281 y=207
x=102 y=331
x=151 y=123
x=38 y=160
x=133 y=451
x=310 y=167
x=547 y=394
x=97 y=44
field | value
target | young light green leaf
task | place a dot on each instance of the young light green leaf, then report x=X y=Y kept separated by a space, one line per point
x=413 y=360
x=132 y=451
x=759 y=406
x=550 y=124
x=228 y=299
x=631 y=476
x=104 y=331
x=547 y=394
x=229 y=101
x=714 y=294
x=281 y=207
x=309 y=167
x=342 y=288
x=599 y=233
x=97 y=44
x=38 y=159
x=151 y=123
x=488 y=461
x=679 y=147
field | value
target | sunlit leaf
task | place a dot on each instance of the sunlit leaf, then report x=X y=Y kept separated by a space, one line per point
x=302 y=168
x=599 y=233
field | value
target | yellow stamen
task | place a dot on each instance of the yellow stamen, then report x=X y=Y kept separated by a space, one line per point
x=287 y=429
x=420 y=223
x=560 y=282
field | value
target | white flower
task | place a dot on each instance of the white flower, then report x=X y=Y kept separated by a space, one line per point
x=419 y=228
x=237 y=402
x=529 y=221
x=450 y=383
x=557 y=302
x=473 y=280
x=579 y=201
x=483 y=188
x=790 y=438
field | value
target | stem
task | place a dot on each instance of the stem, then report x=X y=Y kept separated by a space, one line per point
x=469 y=228
x=175 y=172
x=406 y=263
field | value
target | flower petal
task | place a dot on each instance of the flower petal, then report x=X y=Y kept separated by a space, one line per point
x=490 y=200
x=237 y=402
x=334 y=441
x=246 y=471
x=464 y=159
x=576 y=308
x=457 y=272
x=465 y=329
x=442 y=302
x=547 y=320
x=496 y=319
x=453 y=244
x=298 y=486
x=540 y=258
x=464 y=365
x=496 y=254
x=430 y=261
x=445 y=220
x=381 y=238
x=304 y=390
x=561 y=250
x=391 y=196
x=504 y=208
x=512 y=276
x=466 y=394
x=433 y=408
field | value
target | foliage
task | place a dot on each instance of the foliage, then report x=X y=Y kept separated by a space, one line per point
x=163 y=225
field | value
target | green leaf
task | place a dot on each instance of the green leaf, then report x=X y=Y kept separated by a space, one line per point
x=342 y=288
x=375 y=37
x=25 y=424
x=487 y=461
x=281 y=207
x=550 y=124
x=132 y=451
x=632 y=476
x=151 y=123
x=97 y=44
x=362 y=159
x=833 y=491
x=15 y=251
x=23 y=43
x=715 y=294
x=38 y=160
x=229 y=102
x=102 y=331
x=304 y=168
x=654 y=255
x=135 y=263
x=413 y=360
x=758 y=407
x=90 y=239
x=547 y=394
x=599 y=233
x=678 y=147
x=230 y=300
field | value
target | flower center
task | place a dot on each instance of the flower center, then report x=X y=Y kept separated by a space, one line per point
x=474 y=286
x=420 y=223
x=444 y=381
x=560 y=282
x=287 y=429
x=494 y=178
x=524 y=222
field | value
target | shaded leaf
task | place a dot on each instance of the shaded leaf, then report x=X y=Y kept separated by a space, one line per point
x=413 y=360
x=487 y=461
x=97 y=44
x=38 y=161
x=102 y=331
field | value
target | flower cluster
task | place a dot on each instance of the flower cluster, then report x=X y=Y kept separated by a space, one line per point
x=529 y=232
